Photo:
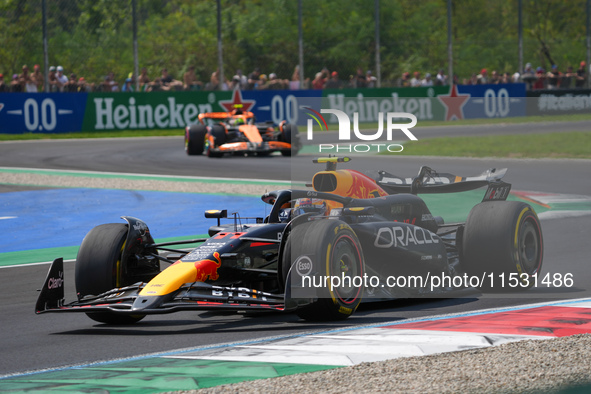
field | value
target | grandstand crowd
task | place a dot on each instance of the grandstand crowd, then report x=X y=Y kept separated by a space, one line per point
x=34 y=81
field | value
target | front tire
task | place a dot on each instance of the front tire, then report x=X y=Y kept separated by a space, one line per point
x=195 y=139
x=99 y=268
x=503 y=238
x=335 y=251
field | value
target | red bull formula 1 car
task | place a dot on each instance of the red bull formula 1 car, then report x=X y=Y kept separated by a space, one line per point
x=238 y=132
x=349 y=227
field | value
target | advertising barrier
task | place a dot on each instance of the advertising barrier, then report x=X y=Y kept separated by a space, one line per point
x=41 y=112
x=73 y=112
x=554 y=102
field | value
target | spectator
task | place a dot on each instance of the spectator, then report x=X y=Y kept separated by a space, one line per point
x=26 y=81
x=405 y=80
x=276 y=83
x=495 y=78
x=109 y=84
x=145 y=83
x=567 y=78
x=427 y=81
x=441 y=78
x=83 y=87
x=190 y=81
x=15 y=85
x=62 y=80
x=529 y=76
x=72 y=85
x=482 y=77
x=528 y=69
x=263 y=82
x=540 y=79
x=3 y=87
x=553 y=77
x=516 y=77
x=294 y=84
x=214 y=82
x=370 y=80
x=167 y=82
x=359 y=80
x=333 y=82
x=581 y=78
x=254 y=79
x=416 y=79
x=318 y=82
x=38 y=78
x=52 y=80
x=239 y=80
x=506 y=78
x=128 y=86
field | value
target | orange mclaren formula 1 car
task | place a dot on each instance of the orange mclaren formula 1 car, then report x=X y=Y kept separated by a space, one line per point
x=238 y=132
x=318 y=252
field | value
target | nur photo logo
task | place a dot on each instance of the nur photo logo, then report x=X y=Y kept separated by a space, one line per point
x=344 y=131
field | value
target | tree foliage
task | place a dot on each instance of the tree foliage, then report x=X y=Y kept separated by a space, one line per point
x=93 y=37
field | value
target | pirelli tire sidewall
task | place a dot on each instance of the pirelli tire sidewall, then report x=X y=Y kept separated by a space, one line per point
x=99 y=268
x=503 y=238
x=335 y=251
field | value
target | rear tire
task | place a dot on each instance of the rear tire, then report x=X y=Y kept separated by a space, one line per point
x=195 y=139
x=335 y=251
x=219 y=136
x=99 y=268
x=503 y=238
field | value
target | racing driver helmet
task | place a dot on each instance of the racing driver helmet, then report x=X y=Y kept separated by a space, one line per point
x=236 y=122
x=310 y=205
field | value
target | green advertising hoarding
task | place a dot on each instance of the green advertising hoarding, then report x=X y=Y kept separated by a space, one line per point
x=154 y=110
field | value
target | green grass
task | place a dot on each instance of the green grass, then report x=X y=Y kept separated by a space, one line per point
x=552 y=145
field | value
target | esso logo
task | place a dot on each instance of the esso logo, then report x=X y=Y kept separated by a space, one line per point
x=303 y=265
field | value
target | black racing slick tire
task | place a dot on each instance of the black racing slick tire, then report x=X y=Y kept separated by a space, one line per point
x=195 y=139
x=99 y=268
x=333 y=248
x=290 y=135
x=503 y=243
x=219 y=136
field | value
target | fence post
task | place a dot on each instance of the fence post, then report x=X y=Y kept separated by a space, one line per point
x=45 y=47
x=220 y=56
x=450 y=59
x=136 y=64
x=378 y=68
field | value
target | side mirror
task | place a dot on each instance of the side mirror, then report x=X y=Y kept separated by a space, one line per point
x=216 y=214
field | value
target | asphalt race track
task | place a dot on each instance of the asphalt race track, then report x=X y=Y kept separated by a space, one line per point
x=31 y=342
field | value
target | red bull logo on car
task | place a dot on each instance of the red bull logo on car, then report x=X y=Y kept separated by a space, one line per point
x=208 y=269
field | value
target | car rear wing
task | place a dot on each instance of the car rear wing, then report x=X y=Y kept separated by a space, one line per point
x=429 y=181
x=222 y=115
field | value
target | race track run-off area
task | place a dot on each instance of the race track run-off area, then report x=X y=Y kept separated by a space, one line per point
x=192 y=369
